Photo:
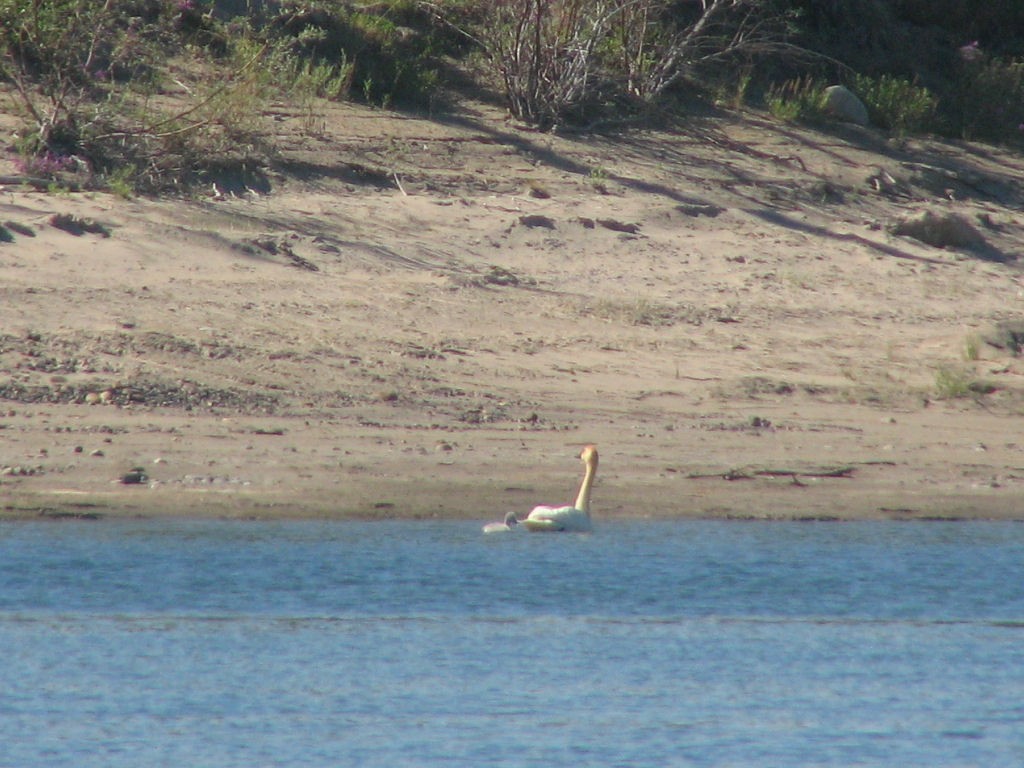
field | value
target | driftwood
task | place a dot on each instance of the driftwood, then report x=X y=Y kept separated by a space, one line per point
x=794 y=474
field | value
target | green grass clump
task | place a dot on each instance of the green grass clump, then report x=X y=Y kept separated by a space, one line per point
x=952 y=383
x=972 y=347
x=800 y=99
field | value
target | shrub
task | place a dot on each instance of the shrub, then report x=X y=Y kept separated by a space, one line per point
x=544 y=53
x=374 y=55
x=897 y=104
x=986 y=101
x=84 y=74
x=559 y=59
x=64 y=57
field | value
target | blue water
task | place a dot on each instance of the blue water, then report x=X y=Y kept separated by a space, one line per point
x=223 y=644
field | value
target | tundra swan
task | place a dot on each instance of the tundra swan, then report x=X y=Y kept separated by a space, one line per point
x=576 y=517
x=508 y=524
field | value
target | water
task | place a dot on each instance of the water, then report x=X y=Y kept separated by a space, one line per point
x=226 y=644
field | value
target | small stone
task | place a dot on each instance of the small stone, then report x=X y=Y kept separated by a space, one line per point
x=97 y=453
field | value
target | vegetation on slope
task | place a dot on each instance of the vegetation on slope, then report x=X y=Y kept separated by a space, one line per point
x=157 y=95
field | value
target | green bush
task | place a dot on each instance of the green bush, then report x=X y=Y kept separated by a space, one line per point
x=387 y=56
x=986 y=101
x=897 y=104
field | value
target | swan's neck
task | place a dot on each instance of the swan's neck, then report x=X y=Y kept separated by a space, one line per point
x=583 y=499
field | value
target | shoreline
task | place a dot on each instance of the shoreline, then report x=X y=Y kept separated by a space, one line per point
x=203 y=466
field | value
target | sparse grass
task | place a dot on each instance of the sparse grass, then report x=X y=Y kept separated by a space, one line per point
x=121 y=181
x=733 y=92
x=802 y=98
x=972 y=347
x=952 y=382
x=644 y=312
x=636 y=312
x=598 y=179
x=956 y=382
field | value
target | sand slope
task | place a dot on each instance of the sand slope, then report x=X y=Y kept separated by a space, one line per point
x=408 y=317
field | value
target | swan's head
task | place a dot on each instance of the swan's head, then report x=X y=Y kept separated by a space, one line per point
x=589 y=455
x=510 y=520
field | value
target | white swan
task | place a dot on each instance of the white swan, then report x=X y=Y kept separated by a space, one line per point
x=508 y=524
x=576 y=517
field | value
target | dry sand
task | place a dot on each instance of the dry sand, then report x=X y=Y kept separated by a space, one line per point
x=417 y=318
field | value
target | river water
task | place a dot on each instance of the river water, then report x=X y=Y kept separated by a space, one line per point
x=691 y=643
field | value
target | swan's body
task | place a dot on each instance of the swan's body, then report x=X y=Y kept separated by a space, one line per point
x=508 y=524
x=574 y=518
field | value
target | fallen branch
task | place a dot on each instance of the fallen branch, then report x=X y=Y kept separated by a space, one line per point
x=794 y=474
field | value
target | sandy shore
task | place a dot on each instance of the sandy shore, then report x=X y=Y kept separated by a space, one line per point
x=412 y=318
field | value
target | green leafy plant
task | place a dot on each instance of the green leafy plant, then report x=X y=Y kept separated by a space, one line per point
x=897 y=104
x=121 y=181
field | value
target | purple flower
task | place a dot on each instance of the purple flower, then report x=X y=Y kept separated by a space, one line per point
x=970 y=52
x=45 y=165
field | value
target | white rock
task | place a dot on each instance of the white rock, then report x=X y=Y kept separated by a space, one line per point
x=843 y=104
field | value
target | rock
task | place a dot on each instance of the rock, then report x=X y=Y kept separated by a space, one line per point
x=842 y=104
x=136 y=477
x=700 y=209
x=78 y=226
x=537 y=220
